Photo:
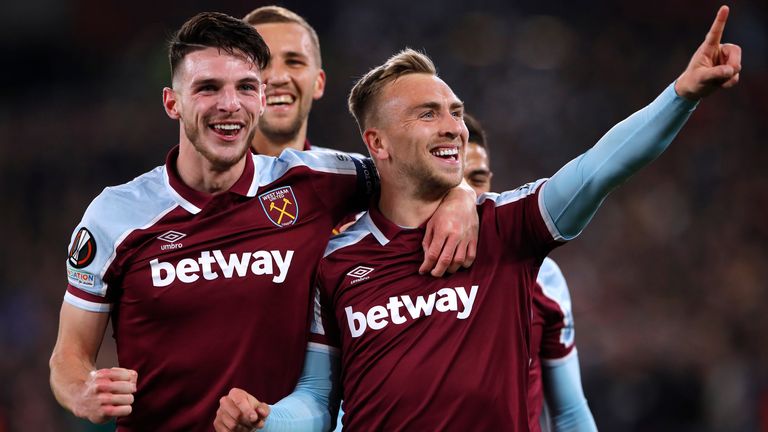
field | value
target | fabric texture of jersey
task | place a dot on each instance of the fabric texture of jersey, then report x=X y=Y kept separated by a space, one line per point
x=199 y=285
x=422 y=353
x=552 y=331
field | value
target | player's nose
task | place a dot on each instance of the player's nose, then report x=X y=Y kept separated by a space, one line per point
x=229 y=100
x=450 y=125
x=276 y=74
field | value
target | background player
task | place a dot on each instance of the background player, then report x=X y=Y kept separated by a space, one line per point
x=410 y=118
x=294 y=78
x=188 y=250
x=554 y=374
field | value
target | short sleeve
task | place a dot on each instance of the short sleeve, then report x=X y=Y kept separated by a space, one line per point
x=553 y=301
x=324 y=328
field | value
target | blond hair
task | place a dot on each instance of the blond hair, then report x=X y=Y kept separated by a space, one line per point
x=278 y=14
x=366 y=89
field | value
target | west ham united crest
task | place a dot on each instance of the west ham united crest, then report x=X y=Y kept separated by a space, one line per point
x=281 y=206
x=83 y=249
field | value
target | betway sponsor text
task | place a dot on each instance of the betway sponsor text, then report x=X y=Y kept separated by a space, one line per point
x=444 y=300
x=213 y=264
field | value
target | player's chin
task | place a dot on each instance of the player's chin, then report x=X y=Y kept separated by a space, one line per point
x=223 y=155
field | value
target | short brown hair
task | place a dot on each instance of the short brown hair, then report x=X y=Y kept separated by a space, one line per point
x=367 y=88
x=476 y=132
x=217 y=30
x=277 y=14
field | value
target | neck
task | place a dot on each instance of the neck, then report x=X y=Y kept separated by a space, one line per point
x=271 y=144
x=199 y=174
x=402 y=205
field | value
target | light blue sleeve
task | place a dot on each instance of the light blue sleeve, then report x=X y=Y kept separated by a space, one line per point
x=313 y=404
x=565 y=399
x=339 y=425
x=574 y=193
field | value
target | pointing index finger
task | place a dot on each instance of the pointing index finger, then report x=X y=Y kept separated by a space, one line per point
x=716 y=31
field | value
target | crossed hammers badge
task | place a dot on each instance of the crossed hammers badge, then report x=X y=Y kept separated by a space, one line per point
x=280 y=206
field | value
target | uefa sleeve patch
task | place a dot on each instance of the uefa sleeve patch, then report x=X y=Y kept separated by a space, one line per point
x=80 y=278
x=83 y=249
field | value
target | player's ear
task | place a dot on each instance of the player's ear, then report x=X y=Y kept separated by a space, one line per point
x=169 y=103
x=376 y=146
x=262 y=98
x=319 y=85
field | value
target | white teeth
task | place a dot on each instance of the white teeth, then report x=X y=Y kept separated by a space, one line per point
x=228 y=126
x=446 y=152
x=281 y=99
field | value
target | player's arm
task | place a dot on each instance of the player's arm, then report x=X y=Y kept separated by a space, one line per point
x=564 y=395
x=311 y=407
x=574 y=193
x=96 y=395
x=450 y=241
x=568 y=410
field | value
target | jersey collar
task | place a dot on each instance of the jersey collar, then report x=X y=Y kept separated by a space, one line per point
x=385 y=230
x=194 y=201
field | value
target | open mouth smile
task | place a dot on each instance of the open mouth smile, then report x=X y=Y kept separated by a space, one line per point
x=227 y=131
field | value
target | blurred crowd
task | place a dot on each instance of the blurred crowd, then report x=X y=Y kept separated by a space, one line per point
x=669 y=282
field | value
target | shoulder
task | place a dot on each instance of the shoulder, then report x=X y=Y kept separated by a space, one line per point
x=511 y=196
x=110 y=217
x=553 y=287
x=330 y=150
x=270 y=168
x=137 y=201
x=349 y=238
x=117 y=210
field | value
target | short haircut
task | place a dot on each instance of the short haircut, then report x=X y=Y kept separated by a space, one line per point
x=277 y=14
x=217 y=30
x=476 y=132
x=366 y=89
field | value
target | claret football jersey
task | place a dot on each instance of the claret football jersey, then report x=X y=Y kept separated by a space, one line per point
x=423 y=353
x=552 y=332
x=210 y=292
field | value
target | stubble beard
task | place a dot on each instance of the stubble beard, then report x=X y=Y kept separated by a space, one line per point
x=428 y=185
x=284 y=134
x=218 y=163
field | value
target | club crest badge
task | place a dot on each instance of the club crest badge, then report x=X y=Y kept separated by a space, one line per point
x=83 y=249
x=281 y=206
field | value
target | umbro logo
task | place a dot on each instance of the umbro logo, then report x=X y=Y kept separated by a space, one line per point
x=172 y=238
x=359 y=273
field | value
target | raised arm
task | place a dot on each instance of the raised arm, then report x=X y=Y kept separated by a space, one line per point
x=96 y=395
x=574 y=193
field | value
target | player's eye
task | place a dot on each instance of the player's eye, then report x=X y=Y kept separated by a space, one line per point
x=427 y=115
x=295 y=62
x=458 y=114
x=206 y=88
x=248 y=87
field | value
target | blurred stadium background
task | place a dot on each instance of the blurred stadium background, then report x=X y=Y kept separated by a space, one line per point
x=669 y=282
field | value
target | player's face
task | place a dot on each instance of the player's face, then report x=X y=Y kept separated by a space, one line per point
x=422 y=123
x=217 y=98
x=293 y=78
x=477 y=169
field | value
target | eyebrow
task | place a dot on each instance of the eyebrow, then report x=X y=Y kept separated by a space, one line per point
x=214 y=81
x=478 y=171
x=292 y=54
x=437 y=105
